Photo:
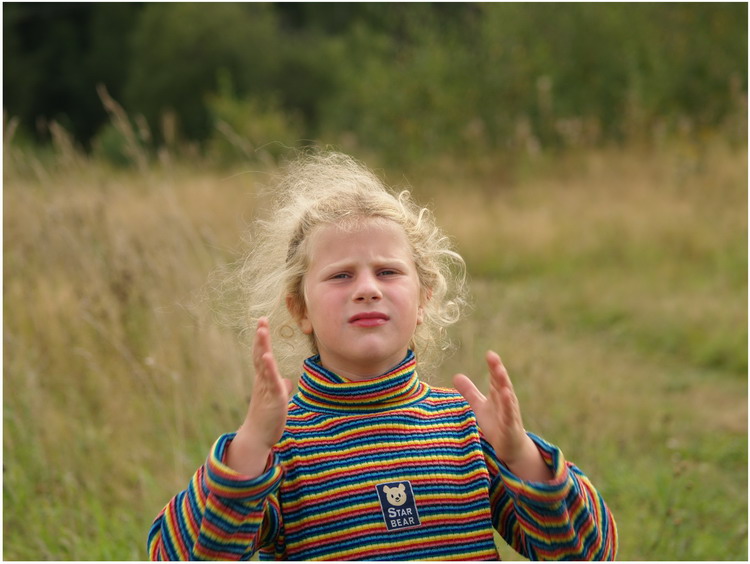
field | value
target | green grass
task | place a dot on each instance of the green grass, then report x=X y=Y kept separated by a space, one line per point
x=613 y=283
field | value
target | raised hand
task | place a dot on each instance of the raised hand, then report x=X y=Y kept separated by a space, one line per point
x=266 y=413
x=499 y=417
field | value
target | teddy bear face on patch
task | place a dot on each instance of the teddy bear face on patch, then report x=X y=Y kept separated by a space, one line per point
x=396 y=496
x=398 y=504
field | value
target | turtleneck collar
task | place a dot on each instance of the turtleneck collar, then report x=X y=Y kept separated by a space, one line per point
x=322 y=390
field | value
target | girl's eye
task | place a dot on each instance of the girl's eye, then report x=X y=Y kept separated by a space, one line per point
x=387 y=272
x=341 y=275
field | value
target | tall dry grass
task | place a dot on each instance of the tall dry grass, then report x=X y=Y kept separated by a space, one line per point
x=614 y=284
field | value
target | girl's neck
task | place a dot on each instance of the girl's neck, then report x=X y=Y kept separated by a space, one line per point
x=322 y=390
x=362 y=371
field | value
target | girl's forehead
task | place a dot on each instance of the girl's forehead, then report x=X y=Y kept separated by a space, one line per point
x=357 y=226
x=385 y=234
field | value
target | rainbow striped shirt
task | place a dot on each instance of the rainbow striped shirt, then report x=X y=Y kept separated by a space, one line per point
x=385 y=469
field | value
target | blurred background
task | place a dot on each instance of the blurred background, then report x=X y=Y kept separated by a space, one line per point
x=589 y=161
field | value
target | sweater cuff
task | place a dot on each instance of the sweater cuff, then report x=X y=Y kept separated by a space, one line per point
x=224 y=482
x=541 y=494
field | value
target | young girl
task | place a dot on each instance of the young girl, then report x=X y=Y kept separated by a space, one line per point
x=366 y=461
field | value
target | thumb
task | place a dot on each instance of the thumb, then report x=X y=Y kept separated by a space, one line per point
x=469 y=391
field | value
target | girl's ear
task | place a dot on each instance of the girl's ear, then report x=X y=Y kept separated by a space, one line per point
x=299 y=313
x=420 y=315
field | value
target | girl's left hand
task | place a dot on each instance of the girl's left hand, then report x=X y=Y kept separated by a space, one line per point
x=499 y=417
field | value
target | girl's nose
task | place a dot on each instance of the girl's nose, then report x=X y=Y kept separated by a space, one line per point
x=367 y=289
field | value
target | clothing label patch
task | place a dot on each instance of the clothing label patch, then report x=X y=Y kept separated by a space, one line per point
x=398 y=505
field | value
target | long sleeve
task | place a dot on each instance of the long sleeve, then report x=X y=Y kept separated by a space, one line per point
x=222 y=515
x=563 y=519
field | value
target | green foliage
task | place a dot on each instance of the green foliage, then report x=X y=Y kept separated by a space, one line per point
x=404 y=80
x=56 y=53
x=249 y=129
x=526 y=76
x=179 y=49
x=110 y=145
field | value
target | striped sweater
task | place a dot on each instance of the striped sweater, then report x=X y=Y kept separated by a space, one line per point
x=385 y=469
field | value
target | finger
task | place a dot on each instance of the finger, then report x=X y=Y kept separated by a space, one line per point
x=271 y=374
x=261 y=344
x=505 y=408
x=499 y=374
x=508 y=407
x=469 y=391
x=499 y=377
x=498 y=403
x=511 y=411
x=269 y=363
x=500 y=381
x=266 y=374
x=265 y=340
x=257 y=346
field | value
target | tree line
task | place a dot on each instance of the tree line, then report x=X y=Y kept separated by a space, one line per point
x=403 y=79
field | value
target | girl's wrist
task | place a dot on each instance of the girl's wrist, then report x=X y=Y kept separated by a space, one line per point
x=529 y=465
x=246 y=454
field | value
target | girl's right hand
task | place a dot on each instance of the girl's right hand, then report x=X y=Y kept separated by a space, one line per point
x=266 y=415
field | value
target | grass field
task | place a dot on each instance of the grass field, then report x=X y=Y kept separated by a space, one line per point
x=612 y=282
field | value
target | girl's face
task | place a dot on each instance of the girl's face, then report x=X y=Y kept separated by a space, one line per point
x=362 y=297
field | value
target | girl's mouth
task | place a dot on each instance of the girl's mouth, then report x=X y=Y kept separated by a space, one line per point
x=369 y=319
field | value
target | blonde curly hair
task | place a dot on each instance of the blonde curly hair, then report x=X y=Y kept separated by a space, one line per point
x=333 y=189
